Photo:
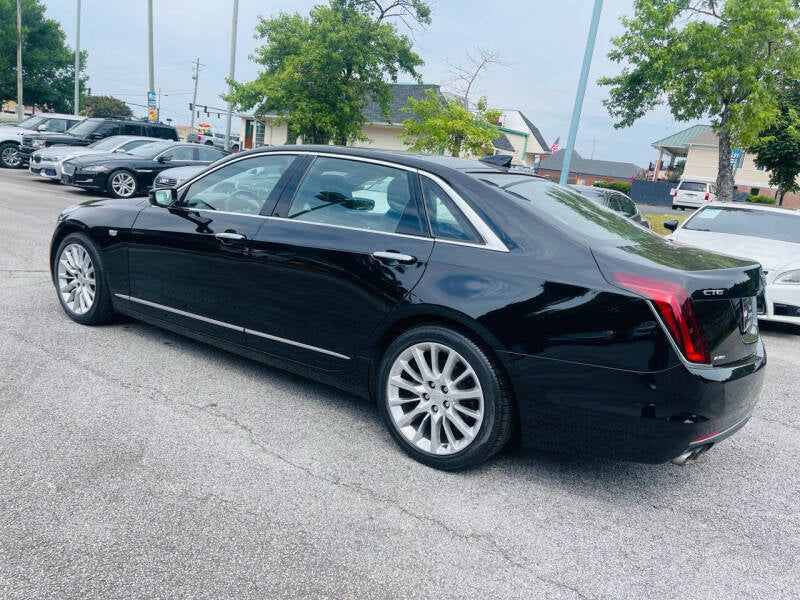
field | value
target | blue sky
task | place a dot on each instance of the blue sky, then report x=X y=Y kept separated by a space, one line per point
x=543 y=42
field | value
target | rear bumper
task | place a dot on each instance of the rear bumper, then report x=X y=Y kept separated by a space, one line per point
x=643 y=417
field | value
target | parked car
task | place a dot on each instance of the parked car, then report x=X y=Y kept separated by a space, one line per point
x=92 y=130
x=214 y=139
x=11 y=136
x=767 y=234
x=176 y=176
x=612 y=199
x=532 y=306
x=47 y=161
x=124 y=175
x=692 y=194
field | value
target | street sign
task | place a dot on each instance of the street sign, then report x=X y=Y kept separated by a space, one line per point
x=152 y=111
x=737 y=157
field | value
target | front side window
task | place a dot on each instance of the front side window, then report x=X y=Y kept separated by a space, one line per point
x=180 y=153
x=57 y=125
x=107 y=129
x=240 y=187
x=358 y=194
x=741 y=221
x=447 y=221
x=131 y=129
x=85 y=127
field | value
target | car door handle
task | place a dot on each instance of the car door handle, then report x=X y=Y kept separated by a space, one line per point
x=389 y=255
x=229 y=236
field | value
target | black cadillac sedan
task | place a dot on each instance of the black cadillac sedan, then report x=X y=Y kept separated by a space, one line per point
x=468 y=301
x=131 y=173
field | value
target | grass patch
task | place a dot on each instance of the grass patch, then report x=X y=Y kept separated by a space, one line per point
x=657 y=221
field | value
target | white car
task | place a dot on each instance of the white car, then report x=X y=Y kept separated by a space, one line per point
x=767 y=234
x=693 y=194
x=11 y=136
x=47 y=161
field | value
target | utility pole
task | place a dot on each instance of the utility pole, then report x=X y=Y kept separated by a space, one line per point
x=76 y=103
x=20 y=107
x=195 y=76
x=158 y=107
x=576 y=111
x=230 y=73
x=152 y=84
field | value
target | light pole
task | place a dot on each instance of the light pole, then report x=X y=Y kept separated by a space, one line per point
x=76 y=103
x=230 y=74
x=151 y=80
x=576 y=111
x=20 y=107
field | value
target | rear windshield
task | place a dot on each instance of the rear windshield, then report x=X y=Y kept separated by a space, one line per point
x=151 y=149
x=741 y=221
x=564 y=207
x=692 y=186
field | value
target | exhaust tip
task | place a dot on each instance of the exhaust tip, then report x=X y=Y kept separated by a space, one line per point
x=690 y=455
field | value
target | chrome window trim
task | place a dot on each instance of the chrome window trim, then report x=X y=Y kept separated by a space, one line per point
x=190 y=315
x=491 y=240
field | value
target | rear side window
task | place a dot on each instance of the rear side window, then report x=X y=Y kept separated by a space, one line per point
x=447 y=221
x=181 y=153
x=692 y=186
x=358 y=194
x=131 y=129
x=740 y=221
x=626 y=205
x=107 y=129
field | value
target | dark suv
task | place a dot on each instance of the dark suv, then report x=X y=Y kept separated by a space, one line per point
x=91 y=130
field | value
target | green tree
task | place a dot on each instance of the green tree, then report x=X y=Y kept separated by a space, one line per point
x=719 y=58
x=104 y=106
x=47 y=62
x=777 y=148
x=319 y=71
x=440 y=122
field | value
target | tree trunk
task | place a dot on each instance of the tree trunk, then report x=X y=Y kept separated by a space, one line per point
x=724 y=171
x=779 y=196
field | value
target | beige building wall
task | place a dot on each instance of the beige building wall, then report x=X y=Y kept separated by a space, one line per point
x=702 y=162
x=382 y=137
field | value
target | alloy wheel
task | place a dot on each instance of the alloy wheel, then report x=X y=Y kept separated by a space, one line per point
x=11 y=156
x=435 y=399
x=123 y=184
x=76 y=279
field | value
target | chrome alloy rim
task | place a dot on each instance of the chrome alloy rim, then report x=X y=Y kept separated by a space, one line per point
x=11 y=156
x=123 y=184
x=435 y=398
x=76 y=282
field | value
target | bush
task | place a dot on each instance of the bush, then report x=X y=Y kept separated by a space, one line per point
x=620 y=186
x=761 y=199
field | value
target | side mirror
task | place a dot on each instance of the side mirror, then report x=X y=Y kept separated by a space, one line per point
x=672 y=224
x=163 y=197
x=41 y=128
x=165 y=158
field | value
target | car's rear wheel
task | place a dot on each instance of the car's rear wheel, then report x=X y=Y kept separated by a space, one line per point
x=443 y=398
x=9 y=155
x=122 y=184
x=80 y=281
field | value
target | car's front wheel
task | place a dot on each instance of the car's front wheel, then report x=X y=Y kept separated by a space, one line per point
x=444 y=398
x=80 y=281
x=122 y=184
x=9 y=155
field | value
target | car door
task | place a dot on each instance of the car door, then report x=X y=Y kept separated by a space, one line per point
x=189 y=262
x=344 y=247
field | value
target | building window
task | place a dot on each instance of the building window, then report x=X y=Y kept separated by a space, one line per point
x=755 y=191
x=259 y=141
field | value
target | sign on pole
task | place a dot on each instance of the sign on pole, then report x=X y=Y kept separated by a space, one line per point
x=152 y=112
x=737 y=157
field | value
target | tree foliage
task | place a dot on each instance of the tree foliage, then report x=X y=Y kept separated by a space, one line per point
x=104 y=106
x=777 y=148
x=445 y=123
x=719 y=58
x=620 y=186
x=319 y=71
x=47 y=62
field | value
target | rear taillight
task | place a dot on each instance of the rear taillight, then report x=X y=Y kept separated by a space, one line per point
x=677 y=311
x=199 y=138
x=673 y=192
x=708 y=195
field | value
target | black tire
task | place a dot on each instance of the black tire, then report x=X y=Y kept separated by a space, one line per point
x=110 y=184
x=101 y=310
x=209 y=143
x=7 y=148
x=235 y=148
x=498 y=420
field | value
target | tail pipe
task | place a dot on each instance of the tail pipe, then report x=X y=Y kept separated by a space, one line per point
x=690 y=455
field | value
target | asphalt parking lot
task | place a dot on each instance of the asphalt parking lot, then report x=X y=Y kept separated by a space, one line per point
x=138 y=463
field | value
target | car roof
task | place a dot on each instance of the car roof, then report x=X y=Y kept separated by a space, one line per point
x=429 y=162
x=58 y=116
x=754 y=206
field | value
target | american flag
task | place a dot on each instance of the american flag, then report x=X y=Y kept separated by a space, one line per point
x=554 y=147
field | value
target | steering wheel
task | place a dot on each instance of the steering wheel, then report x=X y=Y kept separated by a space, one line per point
x=247 y=198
